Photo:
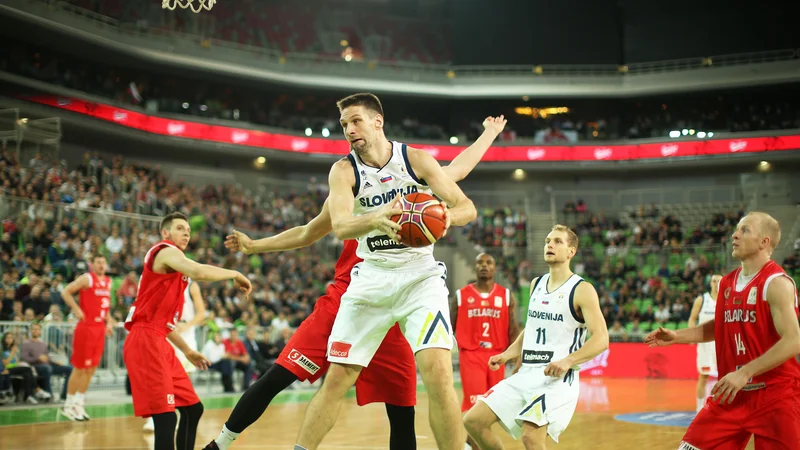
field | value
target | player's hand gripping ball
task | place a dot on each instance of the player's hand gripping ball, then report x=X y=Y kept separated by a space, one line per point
x=423 y=220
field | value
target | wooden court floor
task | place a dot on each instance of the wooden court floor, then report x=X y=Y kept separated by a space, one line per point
x=594 y=425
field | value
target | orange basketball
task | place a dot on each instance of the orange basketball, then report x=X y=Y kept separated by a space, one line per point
x=422 y=220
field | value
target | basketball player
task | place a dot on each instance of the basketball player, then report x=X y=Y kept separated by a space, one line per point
x=541 y=398
x=703 y=310
x=193 y=315
x=395 y=283
x=88 y=342
x=390 y=377
x=484 y=317
x=159 y=384
x=757 y=338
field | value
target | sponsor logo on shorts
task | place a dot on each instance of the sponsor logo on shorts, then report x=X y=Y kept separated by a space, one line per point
x=434 y=330
x=170 y=399
x=302 y=361
x=536 y=357
x=473 y=399
x=687 y=446
x=340 y=349
x=376 y=243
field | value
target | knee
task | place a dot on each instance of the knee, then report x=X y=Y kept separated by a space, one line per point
x=532 y=441
x=435 y=363
x=341 y=377
x=475 y=421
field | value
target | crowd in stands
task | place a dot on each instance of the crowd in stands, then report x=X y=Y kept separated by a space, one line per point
x=408 y=118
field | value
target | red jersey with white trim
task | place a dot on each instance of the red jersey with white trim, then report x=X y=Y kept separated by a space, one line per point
x=160 y=299
x=341 y=278
x=482 y=321
x=95 y=300
x=744 y=330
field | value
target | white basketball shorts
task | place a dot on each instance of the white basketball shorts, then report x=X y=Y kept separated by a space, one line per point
x=707 y=359
x=415 y=297
x=531 y=396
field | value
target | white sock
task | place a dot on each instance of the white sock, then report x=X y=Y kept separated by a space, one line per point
x=700 y=403
x=226 y=438
x=297 y=447
x=467 y=446
x=70 y=400
x=80 y=397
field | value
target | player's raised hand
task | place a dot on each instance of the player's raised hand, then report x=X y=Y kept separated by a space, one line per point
x=728 y=386
x=498 y=361
x=239 y=242
x=557 y=368
x=383 y=222
x=197 y=359
x=243 y=284
x=661 y=337
x=495 y=124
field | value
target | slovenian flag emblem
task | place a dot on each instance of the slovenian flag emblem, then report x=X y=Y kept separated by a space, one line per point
x=386 y=179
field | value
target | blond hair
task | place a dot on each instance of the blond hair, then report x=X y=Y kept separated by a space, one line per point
x=768 y=227
x=572 y=238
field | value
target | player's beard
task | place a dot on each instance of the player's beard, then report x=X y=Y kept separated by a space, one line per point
x=361 y=147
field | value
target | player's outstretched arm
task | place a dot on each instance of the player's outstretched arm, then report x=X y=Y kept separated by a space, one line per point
x=68 y=293
x=461 y=209
x=462 y=165
x=588 y=303
x=781 y=296
x=340 y=204
x=698 y=303
x=174 y=259
x=296 y=237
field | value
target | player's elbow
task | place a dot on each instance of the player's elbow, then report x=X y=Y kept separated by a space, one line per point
x=602 y=339
x=470 y=213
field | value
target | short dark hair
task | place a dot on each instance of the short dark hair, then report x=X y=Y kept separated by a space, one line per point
x=365 y=99
x=98 y=255
x=166 y=222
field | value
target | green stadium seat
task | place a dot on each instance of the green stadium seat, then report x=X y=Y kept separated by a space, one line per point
x=652 y=260
x=629 y=327
x=682 y=325
x=646 y=303
x=671 y=326
x=646 y=326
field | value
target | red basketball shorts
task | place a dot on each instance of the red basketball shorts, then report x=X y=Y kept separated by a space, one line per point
x=159 y=383
x=771 y=414
x=391 y=376
x=88 y=343
x=476 y=376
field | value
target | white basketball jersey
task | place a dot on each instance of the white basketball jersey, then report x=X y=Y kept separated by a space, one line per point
x=553 y=329
x=188 y=304
x=374 y=188
x=708 y=309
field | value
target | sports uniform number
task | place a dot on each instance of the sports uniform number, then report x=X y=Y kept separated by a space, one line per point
x=541 y=336
x=740 y=350
x=105 y=303
x=485 y=330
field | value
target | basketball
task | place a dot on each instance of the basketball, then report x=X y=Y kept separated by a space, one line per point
x=422 y=220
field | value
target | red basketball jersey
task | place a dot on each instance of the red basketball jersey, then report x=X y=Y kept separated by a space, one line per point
x=482 y=320
x=160 y=299
x=341 y=279
x=744 y=330
x=95 y=300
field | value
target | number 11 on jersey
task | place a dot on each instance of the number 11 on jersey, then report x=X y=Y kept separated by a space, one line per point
x=541 y=336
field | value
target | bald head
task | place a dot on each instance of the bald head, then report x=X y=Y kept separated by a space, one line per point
x=485 y=267
x=767 y=226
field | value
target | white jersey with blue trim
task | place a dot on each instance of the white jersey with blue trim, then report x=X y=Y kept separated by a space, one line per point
x=374 y=188
x=553 y=329
x=707 y=310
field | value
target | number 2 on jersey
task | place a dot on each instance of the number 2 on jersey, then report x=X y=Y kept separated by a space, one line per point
x=541 y=336
x=485 y=330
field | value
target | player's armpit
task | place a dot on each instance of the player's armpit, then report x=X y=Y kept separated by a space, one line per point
x=782 y=297
x=587 y=301
x=461 y=209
